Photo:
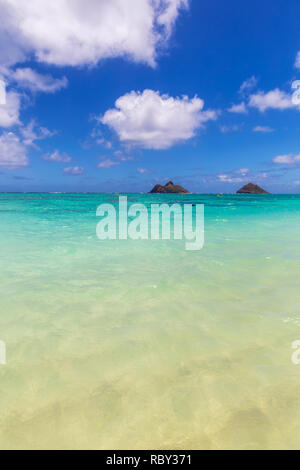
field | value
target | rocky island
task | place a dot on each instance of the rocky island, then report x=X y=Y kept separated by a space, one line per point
x=251 y=188
x=168 y=188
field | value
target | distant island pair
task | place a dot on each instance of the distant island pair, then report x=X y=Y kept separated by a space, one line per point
x=170 y=187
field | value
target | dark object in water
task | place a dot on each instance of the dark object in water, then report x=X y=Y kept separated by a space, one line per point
x=168 y=188
x=251 y=188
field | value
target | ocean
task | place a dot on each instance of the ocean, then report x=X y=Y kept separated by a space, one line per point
x=141 y=344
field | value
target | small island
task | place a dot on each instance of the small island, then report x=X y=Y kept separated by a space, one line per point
x=251 y=188
x=168 y=188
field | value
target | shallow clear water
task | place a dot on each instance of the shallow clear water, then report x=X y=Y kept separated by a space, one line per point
x=141 y=344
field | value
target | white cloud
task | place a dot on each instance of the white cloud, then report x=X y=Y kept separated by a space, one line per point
x=57 y=156
x=10 y=111
x=73 y=32
x=14 y=148
x=237 y=176
x=144 y=171
x=74 y=170
x=233 y=128
x=225 y=178
x=288 y=159
x=167 y=11
x=123 y=158
x=105 y=143
x=263 y=129
x=97 y=134
x=31 y=133
x=274 y=99
x=248 y=85
x=34 y=81
x=13 y=153
x=238 y=108
x=107 y=163
x=243 y=175
x=155 y=121
x=243 y=171
x=297 y=62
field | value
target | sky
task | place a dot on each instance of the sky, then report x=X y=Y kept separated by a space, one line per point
x=118 y=96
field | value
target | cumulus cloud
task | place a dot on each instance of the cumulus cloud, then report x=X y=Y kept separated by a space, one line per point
x=13 y=153
x=155 y=121
x=2 y=92
x=107 y=163
x=34 y=81
x=10 y=111
x=144 y=171
x=74 y=170
x=274 y=99
x=32 y=133
x=167 y=12
x=14 y=146
x=72 y=32
x=57 y=156
x=243 y=171
x=105 y=143
x=238 y=108
x=241 y=176
x=225 y=178
x=248 y=85
x=245 y=88
x=287 y=159
x=225 y=129
x=237 y=176
x=122 y=157
x=263 y=129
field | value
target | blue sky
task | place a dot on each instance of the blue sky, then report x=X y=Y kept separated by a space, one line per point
x=121 y=96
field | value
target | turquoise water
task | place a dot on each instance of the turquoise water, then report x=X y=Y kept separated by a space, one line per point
x=142 y=344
